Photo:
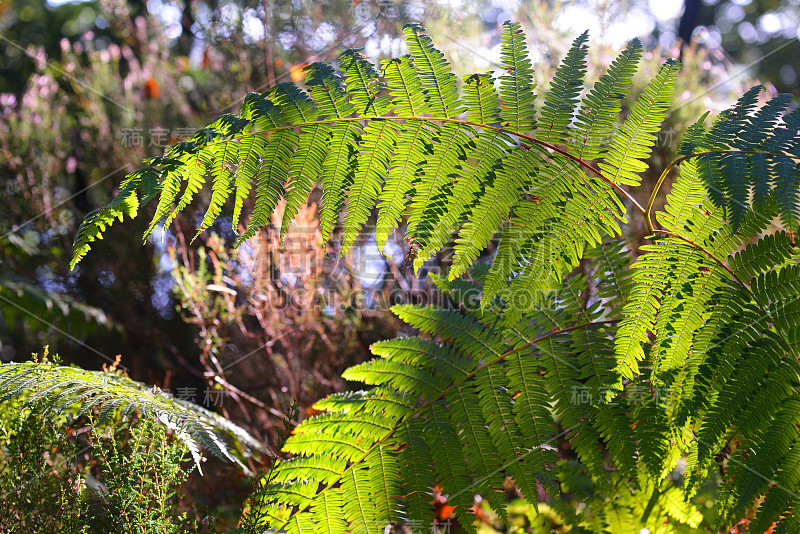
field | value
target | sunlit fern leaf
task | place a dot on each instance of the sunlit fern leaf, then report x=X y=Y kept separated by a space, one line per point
x=196 y=161
x=523 y=457
x=464 y=331
x=437 y=174
x=600 y=108
x=379 y=140
x=487 y=155
x=329 y=513
x=450 y=465
x=363 y=83
x=404 y=86
x=452 y=402
x=510 y=181
x=386 y=483
x=226 y=154
x=551 y=228
x=249 y=154
x=424 y=355
x=337 y=174
x=359 y=508
x=438 y=83
x=650 y=273
x=561 y=99
x=126 y=202
x=401 y=376
x=413 y=144
x=692 y=139
x=477 y=445
x=270 y=178
x=172 y=171
x=295 y=104
x=414 y=461
x=327 y=89
x=516 y=84
x=480 y=98
x=68 y=389
x=634 y=142
x=304 y=170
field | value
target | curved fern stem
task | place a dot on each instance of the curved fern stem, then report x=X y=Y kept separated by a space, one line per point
x=665 y=172
x=456 y=383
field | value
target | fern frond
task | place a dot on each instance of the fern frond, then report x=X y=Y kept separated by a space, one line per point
x=126 y=202
x=378 y=144
x=249 y=153
x=404 y=86
x=480 y=98
x=568 y=339
x=487 y=155
x=68 y=389
x=771 y=251
x=634 y=142
x=744 y=152
x=337 y=174
x=363 y=84
x=304 y=170
x=414 y=144
x=561 y=100
x=272 y=170
x=494 y=205
x=225 y=154
x=438 y=83
x=516 y=84
x=600 y=108
x=172 y=171
x=436 y=176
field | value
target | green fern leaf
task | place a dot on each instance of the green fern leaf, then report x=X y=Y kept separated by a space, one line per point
x=562 y=98
x=436 y=177
x=68 y=389
x=125 y=203
x=596 y=119
x=273 y=168
x=439 y=84
x=635 y=141
x=404 y=86
x=225 y=154
x=378 y=144
x=304 y=170
x=413 y=145
x=516 y=84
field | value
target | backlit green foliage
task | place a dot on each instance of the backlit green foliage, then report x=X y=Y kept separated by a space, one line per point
x=75 y=391
x=688 y=351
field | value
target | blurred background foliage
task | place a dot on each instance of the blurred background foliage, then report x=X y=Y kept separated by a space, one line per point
x=89 y=88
